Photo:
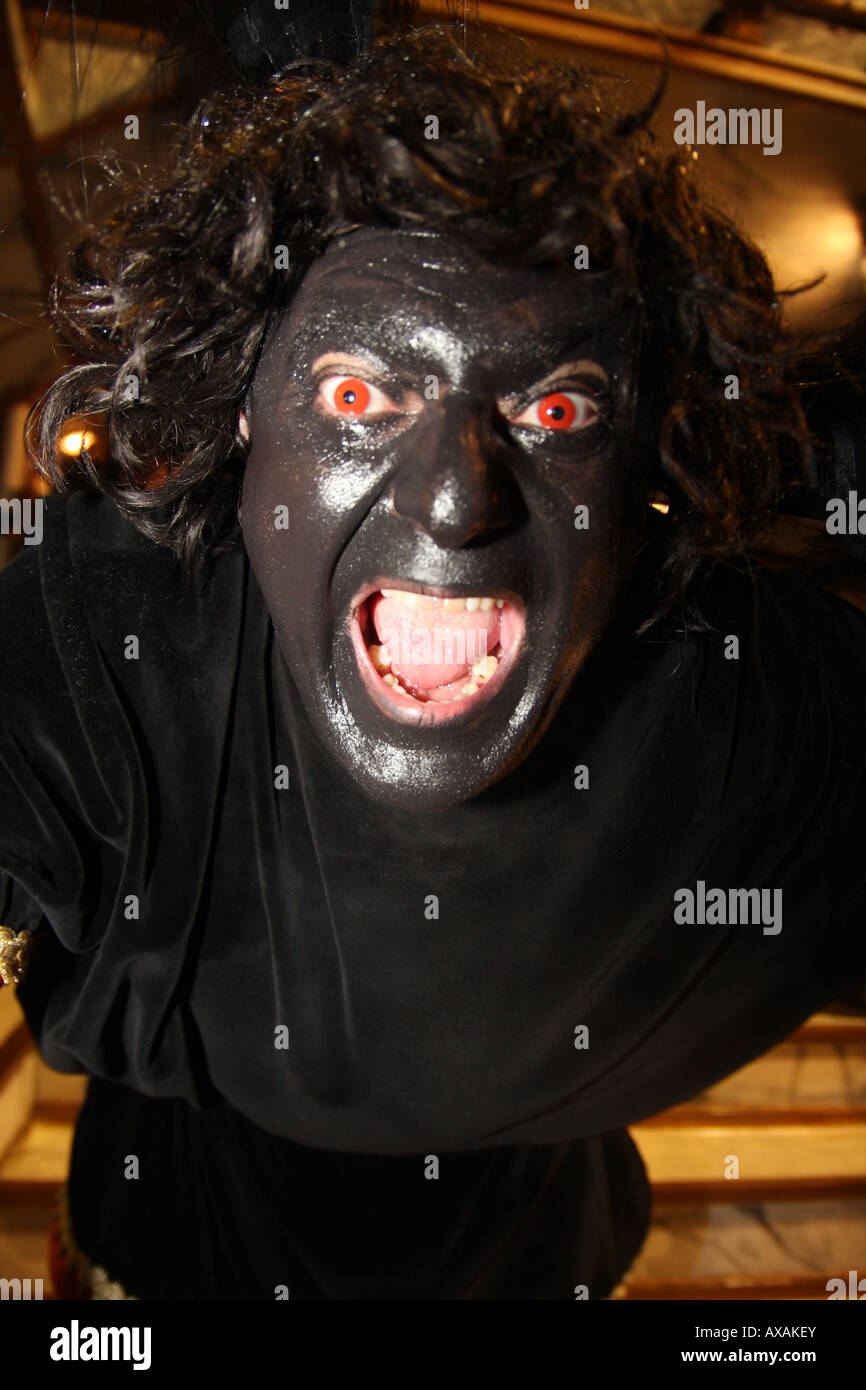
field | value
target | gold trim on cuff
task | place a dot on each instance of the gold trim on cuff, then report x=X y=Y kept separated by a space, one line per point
x=15 y=949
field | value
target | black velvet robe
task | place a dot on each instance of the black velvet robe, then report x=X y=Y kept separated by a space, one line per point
x=496 y=990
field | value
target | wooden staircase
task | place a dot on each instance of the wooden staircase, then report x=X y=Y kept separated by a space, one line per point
x=790 y=1213
x=759 y=1184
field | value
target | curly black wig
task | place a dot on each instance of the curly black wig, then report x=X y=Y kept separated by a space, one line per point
x=167 y=305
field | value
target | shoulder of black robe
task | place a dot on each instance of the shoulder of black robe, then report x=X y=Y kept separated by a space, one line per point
x=191 y=904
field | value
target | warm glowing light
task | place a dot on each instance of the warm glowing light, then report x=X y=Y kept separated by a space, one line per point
x=818 y=236
x=72 y=444
x=839 y=233
x=663 y=507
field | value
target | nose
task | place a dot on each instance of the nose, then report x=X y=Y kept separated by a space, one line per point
x=455 y=483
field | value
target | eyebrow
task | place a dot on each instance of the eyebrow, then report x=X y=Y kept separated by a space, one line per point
x=364 y=333
x=568 y=366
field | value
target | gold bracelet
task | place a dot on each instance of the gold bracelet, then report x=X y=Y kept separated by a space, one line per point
x=14 y=954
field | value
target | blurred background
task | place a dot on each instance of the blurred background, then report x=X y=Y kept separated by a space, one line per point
x=106 y=76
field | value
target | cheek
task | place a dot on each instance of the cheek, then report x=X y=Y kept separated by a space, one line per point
x=591 y=505
x=324 y=478
x=267 y=498
x=594 y=542
x=276 y=524
x=285 y=506
x=285 y=553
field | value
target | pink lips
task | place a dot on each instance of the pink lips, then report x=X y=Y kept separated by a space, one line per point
x=499 y=630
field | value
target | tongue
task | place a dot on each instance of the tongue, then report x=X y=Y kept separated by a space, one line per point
x=430 y=647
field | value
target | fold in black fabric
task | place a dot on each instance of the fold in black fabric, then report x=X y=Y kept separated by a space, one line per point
x=152 y=780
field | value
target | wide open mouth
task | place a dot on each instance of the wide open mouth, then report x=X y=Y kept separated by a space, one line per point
x=428 y=656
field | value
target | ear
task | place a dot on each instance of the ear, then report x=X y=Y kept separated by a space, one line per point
x=244 y=427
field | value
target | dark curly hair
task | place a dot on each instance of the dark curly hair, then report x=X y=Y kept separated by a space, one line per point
x=178 y=288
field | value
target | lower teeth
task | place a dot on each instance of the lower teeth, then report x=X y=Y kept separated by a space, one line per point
x=381 y=658
x=484 y=669
x=479 y=673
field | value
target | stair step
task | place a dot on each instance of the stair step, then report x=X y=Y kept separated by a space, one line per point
x=726 y=1251
x=775 y=1160
x=825 y=1027
x=725 y=1116
x=799 y=1288
x=37 y=1163
x=806 y=1075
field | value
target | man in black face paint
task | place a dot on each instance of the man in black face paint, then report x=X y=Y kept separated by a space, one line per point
x=455 y=447
x=358 y=881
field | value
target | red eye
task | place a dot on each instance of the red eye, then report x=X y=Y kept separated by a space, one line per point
x=556 y=411
x=559 y=410
x=353 y=399
x=352 y=396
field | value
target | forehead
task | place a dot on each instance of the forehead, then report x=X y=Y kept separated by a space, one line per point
x=397 y=291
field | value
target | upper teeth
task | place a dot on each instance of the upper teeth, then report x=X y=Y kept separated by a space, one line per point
x=449 y=605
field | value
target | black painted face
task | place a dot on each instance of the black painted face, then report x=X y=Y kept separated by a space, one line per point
x=453 y=443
